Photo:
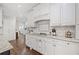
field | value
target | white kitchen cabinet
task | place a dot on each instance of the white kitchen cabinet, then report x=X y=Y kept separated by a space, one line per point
x=68 y=14
x=55 y=14
x=77 y=21
x=43 y=44
x=50 y=47
x=28 y=41
x=72 y=48
x=59 y=50
x=42 y=17
x=39 y=45
x=0 y=17
x=39 y=12
x=30 y=22
x=77 y=13
x=9 y=28
x=34 y=42
x=66 y=48
x=30 y=19
x=77 y=31
x=59 y=47
x=44 y=8
x=62 y=14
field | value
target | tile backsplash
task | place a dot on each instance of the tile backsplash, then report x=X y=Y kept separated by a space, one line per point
x=61 y=30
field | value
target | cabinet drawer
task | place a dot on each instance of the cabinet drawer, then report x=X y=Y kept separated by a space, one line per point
x=60 y=42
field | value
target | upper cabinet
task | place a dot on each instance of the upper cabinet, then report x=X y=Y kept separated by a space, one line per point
x=38 y=12
x=77 y=14
x=0 y=17
x=55 y=14
x=41 y=12
x=77 y=21
x=62 y=14
x=68 y=14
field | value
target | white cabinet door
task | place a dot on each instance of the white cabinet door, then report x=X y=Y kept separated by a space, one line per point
x=77 y=31
x=12 y=28
x=77 y=21
x=44 y=8
x=68 y=14
x=77 y=13
x=9 y=28
x=28 y=43
x=55 y=14
x=0 y=17
x=30 y=19
x=66 y=48
x=72 y=48
x=60 y=47
x=43 y=46
x=50 y=47
x=39 y=44
x=59 y=50
x=34 y=42
x=41 y=12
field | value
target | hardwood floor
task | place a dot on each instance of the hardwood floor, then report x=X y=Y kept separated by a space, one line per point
x=19 y=47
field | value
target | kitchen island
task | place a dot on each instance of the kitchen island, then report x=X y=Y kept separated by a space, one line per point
x=5 y=47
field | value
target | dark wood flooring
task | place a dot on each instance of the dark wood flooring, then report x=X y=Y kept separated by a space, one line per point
x=19 y=47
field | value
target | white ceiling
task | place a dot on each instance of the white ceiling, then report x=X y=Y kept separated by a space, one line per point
x=16 y=9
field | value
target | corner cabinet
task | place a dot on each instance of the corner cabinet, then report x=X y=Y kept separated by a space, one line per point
x=62 y=14
x=0 y=17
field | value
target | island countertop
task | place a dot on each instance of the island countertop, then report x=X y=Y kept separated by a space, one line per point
x=4 y=46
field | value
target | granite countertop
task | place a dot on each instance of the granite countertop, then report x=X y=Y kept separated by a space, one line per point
x=4 y=46
x=57 y=38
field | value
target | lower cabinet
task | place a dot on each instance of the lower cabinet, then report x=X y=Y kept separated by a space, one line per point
x=66 y=48
x=59 y=47
x=49 y=46
x=77 y=31
x=72 y=48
